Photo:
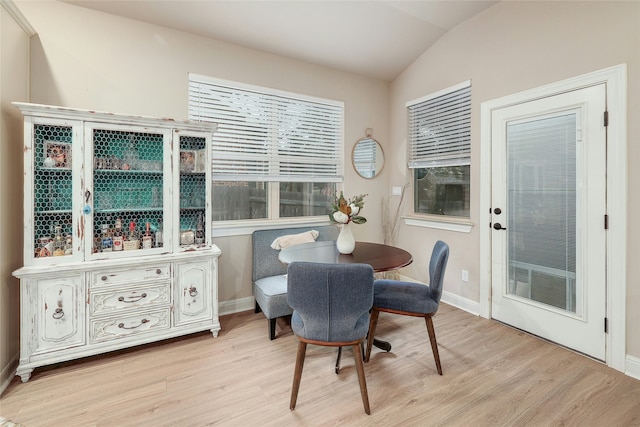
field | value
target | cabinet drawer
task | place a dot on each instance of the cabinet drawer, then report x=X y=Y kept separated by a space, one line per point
x=120 y=299
x=117 y=327
x=130 y=275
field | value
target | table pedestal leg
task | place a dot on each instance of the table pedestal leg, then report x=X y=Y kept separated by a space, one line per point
x=382 y=345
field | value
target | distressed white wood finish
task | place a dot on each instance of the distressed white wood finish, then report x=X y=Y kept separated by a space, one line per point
x=129 y=297
x=193 y=295
x=90 y=303
x=127 y=275
x=60 y=303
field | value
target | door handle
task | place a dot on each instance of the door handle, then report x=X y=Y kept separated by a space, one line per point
x=498 y=226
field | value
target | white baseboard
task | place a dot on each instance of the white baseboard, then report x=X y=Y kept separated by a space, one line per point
x=408 y=279
x=236 y=306
x=462 y=303
x=457 y=301
x=632 y=367
x=7 y=374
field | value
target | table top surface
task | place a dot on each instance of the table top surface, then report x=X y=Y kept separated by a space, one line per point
x=380 y=257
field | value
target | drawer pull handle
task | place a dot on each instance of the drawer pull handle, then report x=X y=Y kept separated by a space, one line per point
x=142 y=322
x=103 y=278
x=58 y=313
x=158 y=271
x=193 y=291
x=132 y=298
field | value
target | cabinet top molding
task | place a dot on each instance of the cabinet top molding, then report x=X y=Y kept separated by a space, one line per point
x=43 y=271
x=29 y=109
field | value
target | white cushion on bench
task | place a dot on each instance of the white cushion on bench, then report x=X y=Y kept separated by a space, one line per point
x=295 y=239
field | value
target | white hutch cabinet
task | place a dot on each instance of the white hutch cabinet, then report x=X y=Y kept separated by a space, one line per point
x=117 y=233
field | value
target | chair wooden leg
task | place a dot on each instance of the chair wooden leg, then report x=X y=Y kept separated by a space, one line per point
x=272 y=328
x=302 y=349
x=357 y=354
x=373 y=322
x=434 y=344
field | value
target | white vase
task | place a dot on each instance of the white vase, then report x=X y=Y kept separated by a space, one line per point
x=346 y=242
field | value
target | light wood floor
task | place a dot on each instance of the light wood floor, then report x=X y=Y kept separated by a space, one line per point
x=493 y=376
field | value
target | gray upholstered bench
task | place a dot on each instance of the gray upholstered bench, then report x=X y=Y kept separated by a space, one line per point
x=269 y=274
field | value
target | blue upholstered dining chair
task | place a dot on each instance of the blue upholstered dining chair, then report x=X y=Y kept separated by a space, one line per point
x=331 y=304
x=412 y=299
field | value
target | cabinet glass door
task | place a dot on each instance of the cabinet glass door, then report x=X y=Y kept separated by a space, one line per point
x=128 y=187
x=193 y=191
x=52 y=191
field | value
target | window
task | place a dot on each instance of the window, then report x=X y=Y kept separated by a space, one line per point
x=439 y=151
x=275 y=154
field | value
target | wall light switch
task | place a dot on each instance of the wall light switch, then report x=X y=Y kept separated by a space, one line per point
x=465 y=276
x=396 y=191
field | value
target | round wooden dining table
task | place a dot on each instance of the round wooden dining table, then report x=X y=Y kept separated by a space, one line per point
x=379 y=256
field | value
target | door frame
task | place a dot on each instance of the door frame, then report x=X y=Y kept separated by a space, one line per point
x=615 y=79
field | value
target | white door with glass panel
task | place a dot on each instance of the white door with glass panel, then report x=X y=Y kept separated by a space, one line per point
x=548 y=207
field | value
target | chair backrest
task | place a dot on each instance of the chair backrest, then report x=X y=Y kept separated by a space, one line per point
x=330 y=302
x=265 y=258
x=437 y=266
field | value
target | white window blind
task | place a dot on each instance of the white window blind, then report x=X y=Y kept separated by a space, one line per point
x=440 y=128
x=265 y=135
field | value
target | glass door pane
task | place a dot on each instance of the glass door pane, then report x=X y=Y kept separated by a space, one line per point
x=193 y=190
x=541 y=199
x=53 y=183
x=128 y=182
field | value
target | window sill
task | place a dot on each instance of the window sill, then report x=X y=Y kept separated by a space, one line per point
x=240 y=228
x=461 y=225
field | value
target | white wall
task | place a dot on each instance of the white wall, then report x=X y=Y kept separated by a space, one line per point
x=87 y=59
x=14 y=72
x=511 y=47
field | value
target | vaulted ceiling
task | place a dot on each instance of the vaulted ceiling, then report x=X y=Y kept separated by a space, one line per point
x=373 y=38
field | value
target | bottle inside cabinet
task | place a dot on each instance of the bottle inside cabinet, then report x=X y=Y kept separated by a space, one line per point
x=199 y=239
x=106 y=241
x=128 y=183
x=52 y=189
x=158 y=239
x=118 y=236
x=193 y=160
x=132 y=242
x=147 y=238
x=58 y=241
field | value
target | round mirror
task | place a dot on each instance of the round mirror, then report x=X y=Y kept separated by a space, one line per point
x=367 y=157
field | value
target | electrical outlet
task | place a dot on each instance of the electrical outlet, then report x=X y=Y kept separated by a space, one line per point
x=396 y=191
x=465 y=276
